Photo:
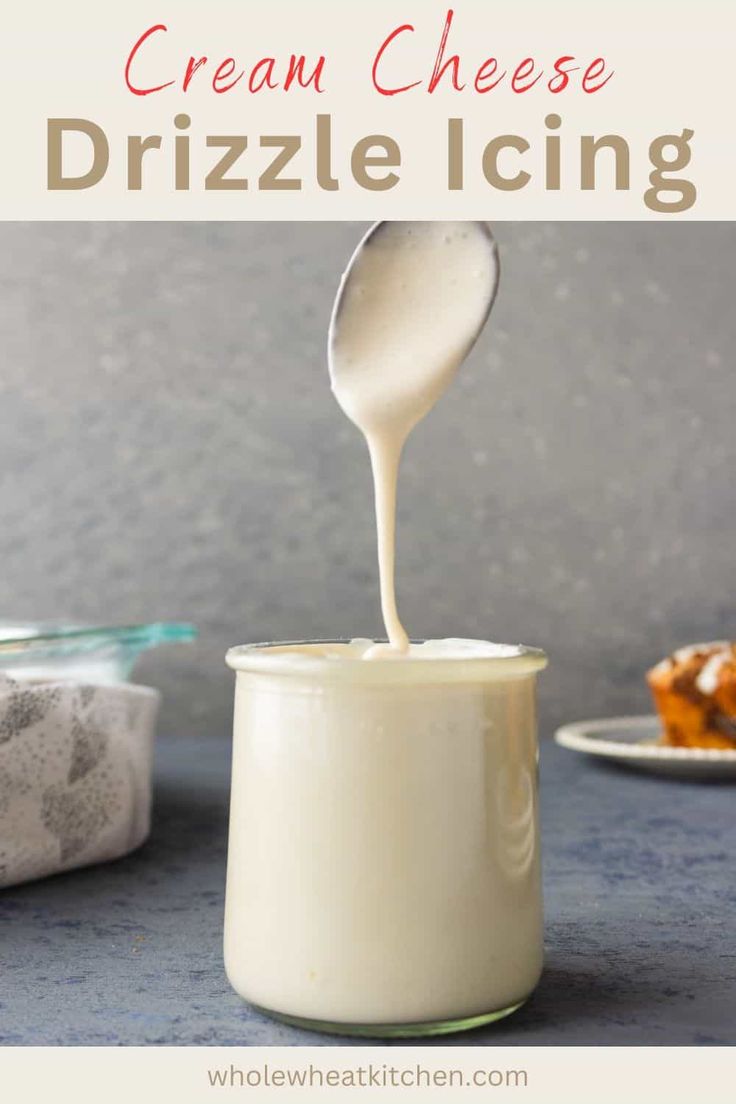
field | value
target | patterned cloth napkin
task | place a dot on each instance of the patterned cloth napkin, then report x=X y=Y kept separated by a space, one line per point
x=75 y=774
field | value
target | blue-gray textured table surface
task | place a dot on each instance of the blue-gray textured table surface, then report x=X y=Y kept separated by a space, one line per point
x=640 y=906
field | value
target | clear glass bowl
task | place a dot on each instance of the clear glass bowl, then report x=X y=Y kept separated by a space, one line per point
x=47 y=650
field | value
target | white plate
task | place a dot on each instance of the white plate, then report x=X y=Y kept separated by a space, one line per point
x=632 y=741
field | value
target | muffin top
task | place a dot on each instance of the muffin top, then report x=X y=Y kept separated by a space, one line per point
x=697 y=670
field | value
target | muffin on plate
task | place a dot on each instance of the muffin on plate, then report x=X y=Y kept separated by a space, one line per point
x=694 y=691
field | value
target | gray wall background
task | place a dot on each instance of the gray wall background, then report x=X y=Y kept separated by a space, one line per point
x=169 y=448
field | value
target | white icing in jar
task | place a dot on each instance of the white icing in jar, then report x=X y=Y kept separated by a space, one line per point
x=383 y=868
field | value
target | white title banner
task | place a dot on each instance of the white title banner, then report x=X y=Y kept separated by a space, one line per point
x=310 y=109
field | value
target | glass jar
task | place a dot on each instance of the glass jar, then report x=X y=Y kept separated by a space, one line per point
x=383 y=866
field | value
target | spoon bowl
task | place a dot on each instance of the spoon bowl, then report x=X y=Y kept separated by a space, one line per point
x=427 y=289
